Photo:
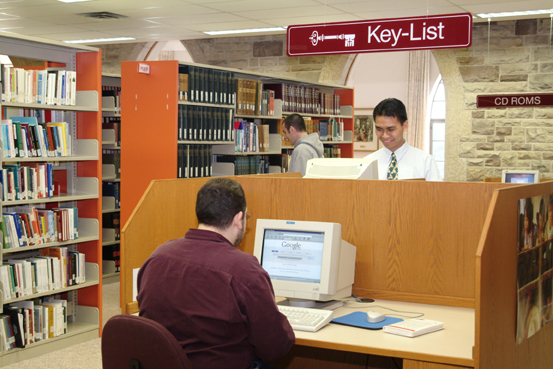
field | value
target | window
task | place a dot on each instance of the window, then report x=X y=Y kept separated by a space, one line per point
x=437 y=124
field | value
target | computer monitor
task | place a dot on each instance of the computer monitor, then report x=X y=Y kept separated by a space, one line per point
x=308 y=262
x=342 y=168
x=520 y=176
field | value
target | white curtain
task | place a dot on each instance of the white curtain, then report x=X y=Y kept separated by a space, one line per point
x=419 y=69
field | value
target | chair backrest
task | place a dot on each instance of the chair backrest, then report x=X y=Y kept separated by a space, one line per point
x=131 y=341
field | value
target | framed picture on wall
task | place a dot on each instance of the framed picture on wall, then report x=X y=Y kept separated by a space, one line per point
x=364 y=134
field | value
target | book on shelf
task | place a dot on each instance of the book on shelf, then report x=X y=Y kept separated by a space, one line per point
x=110 y=156
x=112 y=253
x=115 y=124
x=112 y=189
x=414 y=327
x=194 y=161
x=52 y=86
x=206 y=85
x=112 y=221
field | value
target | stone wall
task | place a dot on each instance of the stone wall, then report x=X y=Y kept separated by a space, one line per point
x=267 y=55
x=114 y=54
x=480 y=143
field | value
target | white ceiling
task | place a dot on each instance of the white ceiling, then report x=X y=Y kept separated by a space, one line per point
x=163 y=20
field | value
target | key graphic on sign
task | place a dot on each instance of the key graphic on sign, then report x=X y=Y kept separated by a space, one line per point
x=315 y=38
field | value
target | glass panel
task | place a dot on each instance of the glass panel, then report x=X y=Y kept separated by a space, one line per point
x=440 y=92
x=438 y=150
x=438 y=110
x=438 y=131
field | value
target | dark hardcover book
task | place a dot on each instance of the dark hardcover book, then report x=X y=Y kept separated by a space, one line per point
x=17 y=316
x=112 y=189
x=113 y=157
x=192 y=83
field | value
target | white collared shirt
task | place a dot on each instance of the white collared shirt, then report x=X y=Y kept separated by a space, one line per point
x=412 y=163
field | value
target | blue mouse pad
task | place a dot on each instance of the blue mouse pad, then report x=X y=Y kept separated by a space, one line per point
x=359 y=319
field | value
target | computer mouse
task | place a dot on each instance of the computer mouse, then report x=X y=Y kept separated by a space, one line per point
x=374 y=317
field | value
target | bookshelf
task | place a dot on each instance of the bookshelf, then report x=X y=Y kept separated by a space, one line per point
x=153 y=104
x=111 y=178
x=79 y=175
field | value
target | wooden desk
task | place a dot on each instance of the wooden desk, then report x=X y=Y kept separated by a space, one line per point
x=451 y=346
x=446 y=244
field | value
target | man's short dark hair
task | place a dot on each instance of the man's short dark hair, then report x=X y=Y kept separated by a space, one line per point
x=296 y=121
x=391 y=108
x=218 y=201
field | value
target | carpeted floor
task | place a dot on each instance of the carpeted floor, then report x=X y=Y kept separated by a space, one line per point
x=82 y=356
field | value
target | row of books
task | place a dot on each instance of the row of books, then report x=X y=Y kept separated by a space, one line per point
x=112 y=221
x=23 y=137
x=27 y=226
x=27 y=181
x=254 y=164
x=112 y=253
x=253 y=99
x=206 y=85
x=194 y=161
x=26 y=322
x=331 y=129
x=200 y=123
x=49 y=86
x=55 y=268
x=42 y=116
x=333 y=151
x=115 y=124
x=112 y=156
x=112 y=189
x=115 y=93
x=304 y=99
x=250 y=137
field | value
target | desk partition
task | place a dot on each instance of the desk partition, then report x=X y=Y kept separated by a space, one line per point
x=416 y=242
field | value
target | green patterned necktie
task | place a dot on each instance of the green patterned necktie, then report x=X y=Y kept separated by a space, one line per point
x=392 y=169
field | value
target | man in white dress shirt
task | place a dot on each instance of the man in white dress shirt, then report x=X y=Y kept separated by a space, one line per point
x=398 y=160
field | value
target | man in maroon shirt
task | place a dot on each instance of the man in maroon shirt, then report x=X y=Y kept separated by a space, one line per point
x=215 y=299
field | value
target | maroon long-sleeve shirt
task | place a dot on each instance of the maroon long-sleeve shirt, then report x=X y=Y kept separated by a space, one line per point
x=215 y=299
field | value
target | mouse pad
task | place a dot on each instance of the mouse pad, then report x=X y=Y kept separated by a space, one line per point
x=359 y=319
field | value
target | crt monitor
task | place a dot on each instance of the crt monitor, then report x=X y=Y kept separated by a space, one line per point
x=308 y=262
x=342 y=168
x=520 y=176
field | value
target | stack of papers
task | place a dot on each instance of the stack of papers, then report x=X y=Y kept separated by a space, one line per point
x=414 y=327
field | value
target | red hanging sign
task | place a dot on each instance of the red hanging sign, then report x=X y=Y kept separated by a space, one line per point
x=414 y=33
x=514 y=101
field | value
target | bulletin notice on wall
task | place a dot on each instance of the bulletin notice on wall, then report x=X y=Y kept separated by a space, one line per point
x=535 y=262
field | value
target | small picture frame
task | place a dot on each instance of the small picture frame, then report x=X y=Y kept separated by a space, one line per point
x=364 y=134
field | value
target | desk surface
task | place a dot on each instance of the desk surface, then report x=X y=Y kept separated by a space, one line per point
x=452 y=345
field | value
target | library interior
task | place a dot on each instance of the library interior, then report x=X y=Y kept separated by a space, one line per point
x=446 y=263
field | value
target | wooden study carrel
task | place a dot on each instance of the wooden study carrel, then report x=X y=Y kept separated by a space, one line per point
x=450 y=244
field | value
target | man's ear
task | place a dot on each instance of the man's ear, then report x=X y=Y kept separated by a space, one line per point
x=405 y=125
x=238 y=220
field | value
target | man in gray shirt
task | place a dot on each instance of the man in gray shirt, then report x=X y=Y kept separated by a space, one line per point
x=306 y=146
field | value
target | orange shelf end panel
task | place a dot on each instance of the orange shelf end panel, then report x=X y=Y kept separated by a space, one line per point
x=148 y=128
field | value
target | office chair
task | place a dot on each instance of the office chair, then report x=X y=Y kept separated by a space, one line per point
x=135 y=342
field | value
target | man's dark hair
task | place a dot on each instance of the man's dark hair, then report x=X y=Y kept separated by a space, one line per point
x=391 y=108
x=218 y=201
x=296 y=121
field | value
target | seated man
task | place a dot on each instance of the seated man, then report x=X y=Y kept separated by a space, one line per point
x=215 y=299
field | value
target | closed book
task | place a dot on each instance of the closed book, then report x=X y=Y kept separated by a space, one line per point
x=414 y=327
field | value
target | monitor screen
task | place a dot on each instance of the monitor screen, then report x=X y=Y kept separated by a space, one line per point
x=305 y=260
x=293 y=255
x=520 y=176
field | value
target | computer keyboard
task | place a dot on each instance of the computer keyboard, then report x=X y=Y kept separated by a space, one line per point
x=305 y=319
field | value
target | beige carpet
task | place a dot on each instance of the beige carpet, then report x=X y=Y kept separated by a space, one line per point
x=82 y=356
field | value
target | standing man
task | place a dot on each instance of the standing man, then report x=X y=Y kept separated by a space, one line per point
x=305 y=146
x=215 y=299
x=398 y=160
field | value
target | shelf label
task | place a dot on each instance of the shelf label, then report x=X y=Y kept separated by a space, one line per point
x=143 y=68
x=414 y=33
x=514 y=101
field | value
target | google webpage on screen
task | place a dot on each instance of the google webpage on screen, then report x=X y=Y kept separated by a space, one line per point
x=293 y=255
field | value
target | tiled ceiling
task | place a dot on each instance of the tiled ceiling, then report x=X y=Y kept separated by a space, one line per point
x=163 y=20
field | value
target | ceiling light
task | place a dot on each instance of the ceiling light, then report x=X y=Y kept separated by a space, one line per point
x=516 y=14
x=73 y=1
x=273 y=29
x=99 y=40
